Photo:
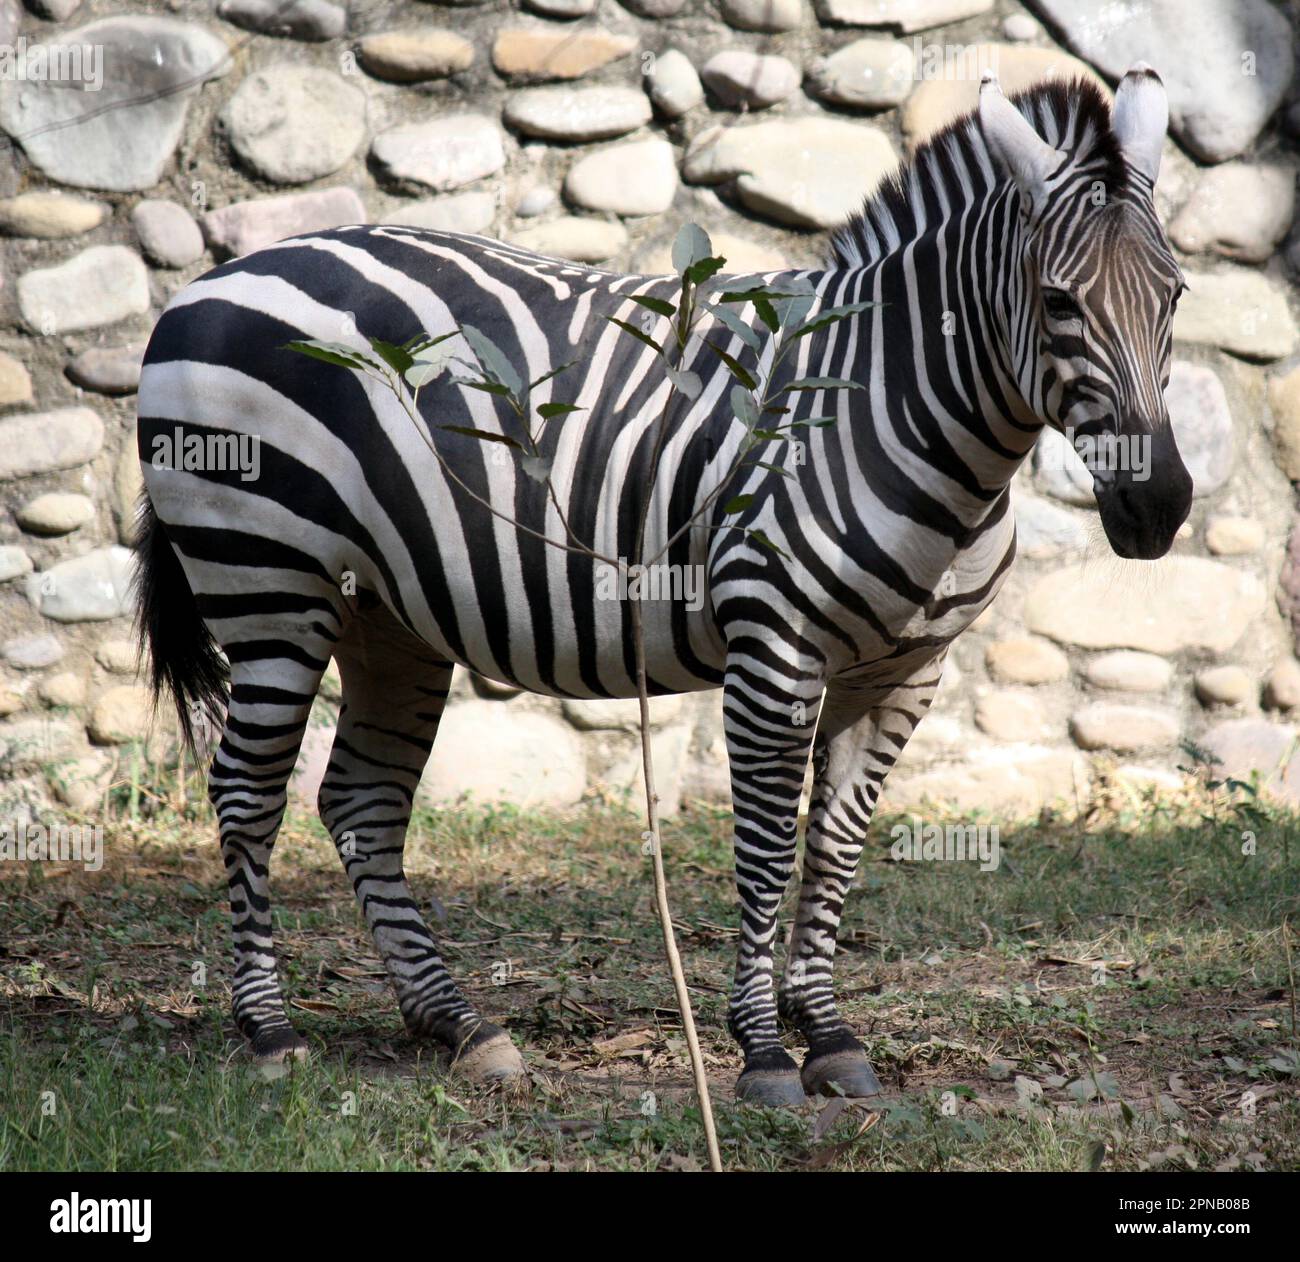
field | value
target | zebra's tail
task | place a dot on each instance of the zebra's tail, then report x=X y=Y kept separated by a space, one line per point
x=184 y=659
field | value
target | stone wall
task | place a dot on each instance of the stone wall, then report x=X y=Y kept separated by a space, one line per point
x=593 y=129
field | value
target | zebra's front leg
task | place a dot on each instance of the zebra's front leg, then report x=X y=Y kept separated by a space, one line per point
x=858 y=742
x=769 y=722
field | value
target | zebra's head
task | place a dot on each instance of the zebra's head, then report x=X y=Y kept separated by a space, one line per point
x=1090 y=318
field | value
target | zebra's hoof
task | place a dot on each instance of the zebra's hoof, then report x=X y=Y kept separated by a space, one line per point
x=489 y=1057
x=274 y=1047
x=771 y=1088
x=846 y=1073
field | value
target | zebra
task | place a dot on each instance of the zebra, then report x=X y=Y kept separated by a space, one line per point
x=1018 y=277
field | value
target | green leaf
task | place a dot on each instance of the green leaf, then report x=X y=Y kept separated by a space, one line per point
x=687 y=382
x=398 y=358
x=493 y=359
x=658 y=305
x=790 y=311
x=486 y=435
x=743 y=405
x=336 y=353
x=738 y=370
x=822 y=383
x=546 y=376
x=737 y=504
x=736 y=325
x=773 y=468
x=768 y=435
x=699 y=272
x=762 y=300
x=488 y=387
x=762 y=539
x=830 y=315
x=639 y=334
x=430 y=361
x=814 y=422
x=548 y=410
x=690 y=245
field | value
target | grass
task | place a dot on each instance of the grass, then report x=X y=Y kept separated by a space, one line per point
x=1119 y=994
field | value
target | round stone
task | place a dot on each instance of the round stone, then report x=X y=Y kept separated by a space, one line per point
x=1020 y=28
x=638 y=178
x=1282 y=687
x=1189 y=603
x=536 y=201
x=246 y=226
x=167 y=232
x=15 y=381
x=495 y=752
x=14 y=562
x=89 y=588
x=1224 y=685
x=561 y=8
x=292 y=124
x=1026 y=660
x=809 y=172
x=302 y=19
x=49 y=215
x=31 y=652
x=43 y=442
x=1010 y=716
x=1129 y=671
x=1233 y=536
x=673 y=84
x=1238 y=311
x=866 y=74
x=66 y=688
x=581 y=240
x=768 y=16
x=117 y=656
x=1044 y=531
x=121 y=714
x=533 y=53
x=415 y=56
x=99 y=286
x=445 y=153
x=1202 y=424
x=154 y=65
x=1239 y=210
x=56 y=513
x=1123 y=728
x=108 y=369
x=458 y=212
x=754 y=80
x=577 y=113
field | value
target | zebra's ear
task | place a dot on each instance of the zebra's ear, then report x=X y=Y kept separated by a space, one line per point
x=1140 y=118
x=1021 y=152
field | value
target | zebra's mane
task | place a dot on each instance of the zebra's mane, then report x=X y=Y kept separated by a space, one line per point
x=1073 y=116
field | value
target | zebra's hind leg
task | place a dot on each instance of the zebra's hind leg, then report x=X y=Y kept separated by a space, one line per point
x=270 y=700
x=769 y=714
x=857 y=743
x=394 y=690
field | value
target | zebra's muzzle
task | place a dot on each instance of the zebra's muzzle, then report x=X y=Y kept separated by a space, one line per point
x=1143 y=506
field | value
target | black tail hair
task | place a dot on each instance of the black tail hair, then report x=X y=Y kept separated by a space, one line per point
x=183 y=657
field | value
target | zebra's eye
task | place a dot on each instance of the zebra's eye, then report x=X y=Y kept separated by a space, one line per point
x=1060 y=306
